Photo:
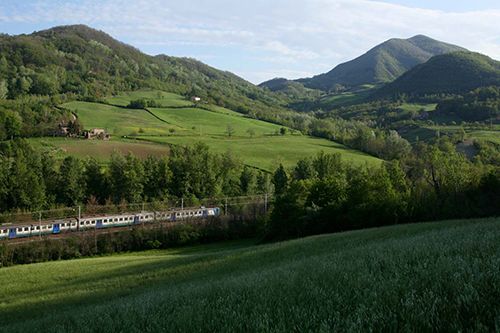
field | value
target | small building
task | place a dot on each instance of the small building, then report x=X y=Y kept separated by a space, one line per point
x=196 y=99
x=97 y=133
x=62 y=131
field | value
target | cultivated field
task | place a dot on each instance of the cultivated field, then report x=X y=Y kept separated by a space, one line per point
x=441 y=276
x=100 y=150
x=256 y=143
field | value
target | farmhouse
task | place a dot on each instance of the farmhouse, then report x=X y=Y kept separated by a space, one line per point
x=196 y=99
x=97 y=133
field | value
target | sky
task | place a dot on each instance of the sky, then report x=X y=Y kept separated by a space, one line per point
x=263 y=39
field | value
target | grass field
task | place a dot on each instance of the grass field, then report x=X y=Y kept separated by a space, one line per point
x=101 y=150
x=253 y=141
x=162 y=98
x=267 y=152
x=442 y=276
x=213 y=122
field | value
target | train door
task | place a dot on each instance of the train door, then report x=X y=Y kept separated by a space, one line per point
x=12 y=233
x=56 y=228
x=136 y=219
x=99 y=224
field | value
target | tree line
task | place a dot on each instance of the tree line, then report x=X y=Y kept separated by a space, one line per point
x=434 y=182
x=30 y=180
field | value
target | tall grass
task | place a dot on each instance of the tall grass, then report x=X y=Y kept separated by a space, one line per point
x=425 y=277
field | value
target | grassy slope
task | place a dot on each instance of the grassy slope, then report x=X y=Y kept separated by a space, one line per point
x=269 y=151
x=423 y=277
x=101 y=150
x=165 y=99
x=191 y=125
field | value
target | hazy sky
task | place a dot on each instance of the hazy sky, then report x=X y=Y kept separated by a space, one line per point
x=262 y=39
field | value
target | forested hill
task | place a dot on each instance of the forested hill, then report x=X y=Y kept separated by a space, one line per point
x=91 y=64
x=458 y=73
x=383 y=63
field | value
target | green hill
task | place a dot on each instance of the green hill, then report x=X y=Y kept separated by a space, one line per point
x=256 y=143
x=91 y=64
x=458 y=72
x=441 y=276
x=291 y=89
x=383 y=63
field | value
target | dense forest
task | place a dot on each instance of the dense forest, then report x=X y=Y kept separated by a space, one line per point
x=434 y=182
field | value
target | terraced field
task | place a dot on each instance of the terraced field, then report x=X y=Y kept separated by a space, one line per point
x=441 y=276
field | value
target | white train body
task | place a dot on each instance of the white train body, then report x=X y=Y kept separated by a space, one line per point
x=102 y=222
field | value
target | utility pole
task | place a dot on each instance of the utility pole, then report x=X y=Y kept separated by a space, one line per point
x=40 y=224
x=225 y=208
x=265 y=203
x=95 y=237
x=182 y=203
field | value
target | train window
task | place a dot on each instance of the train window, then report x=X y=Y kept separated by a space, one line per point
x=116 y=219
x=37 y=228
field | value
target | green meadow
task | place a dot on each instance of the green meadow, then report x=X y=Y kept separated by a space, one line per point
x=162 y=98
x=440 y=276
x=256 y=143
x=267 y=152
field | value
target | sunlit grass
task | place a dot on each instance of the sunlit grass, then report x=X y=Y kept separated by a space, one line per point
x=442 y=276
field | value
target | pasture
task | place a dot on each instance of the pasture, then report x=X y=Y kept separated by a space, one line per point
x=267 y=152
x=440 y=276
x=162 y=98
x=256 y=143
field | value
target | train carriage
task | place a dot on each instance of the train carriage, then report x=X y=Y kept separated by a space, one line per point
x=104 y=221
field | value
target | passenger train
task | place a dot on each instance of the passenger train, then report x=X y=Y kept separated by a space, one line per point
x=102 y=222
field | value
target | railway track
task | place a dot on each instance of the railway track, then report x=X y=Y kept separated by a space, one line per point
x=96 y=232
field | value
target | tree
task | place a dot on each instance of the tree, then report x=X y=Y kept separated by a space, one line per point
x=97 y=182
x=247 y=181
x=327 y=165
x=71 y=181
x=280 y=180
x=75 y=127
x=303 y=170
x=4 y=89
x=12 y=124
x=282 y=130
x=26 y=188
x=229 y=130
x=126 y=178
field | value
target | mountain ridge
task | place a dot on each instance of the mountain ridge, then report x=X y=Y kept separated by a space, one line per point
x=78 y=59
x=381 y=64
x=455 y=73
